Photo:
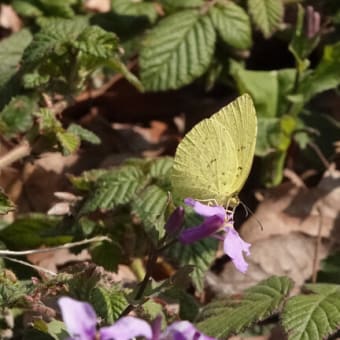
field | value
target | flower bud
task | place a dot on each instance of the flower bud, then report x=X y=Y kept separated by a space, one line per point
x=175 y=221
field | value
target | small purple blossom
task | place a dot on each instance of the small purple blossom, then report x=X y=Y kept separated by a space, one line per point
x=217 y=219
x=80 y=320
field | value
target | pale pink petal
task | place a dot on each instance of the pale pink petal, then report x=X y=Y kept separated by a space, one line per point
x=79 y=317
x=206 y=210
x=234 y=247
x=125 y=329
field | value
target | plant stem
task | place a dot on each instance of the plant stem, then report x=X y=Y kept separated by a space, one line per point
x=47 y=250
x=149 y=268
x=19 y=152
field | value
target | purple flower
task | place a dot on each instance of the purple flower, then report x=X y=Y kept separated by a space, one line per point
x=80 y=320
x=175 y=221
x=216 y=219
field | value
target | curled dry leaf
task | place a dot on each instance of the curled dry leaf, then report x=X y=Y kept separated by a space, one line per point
x=293 y=220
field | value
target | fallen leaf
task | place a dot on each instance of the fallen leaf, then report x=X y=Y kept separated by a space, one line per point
x=293 y=219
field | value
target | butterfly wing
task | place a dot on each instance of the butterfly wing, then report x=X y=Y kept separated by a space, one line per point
x=239 y=118
x=213 y=160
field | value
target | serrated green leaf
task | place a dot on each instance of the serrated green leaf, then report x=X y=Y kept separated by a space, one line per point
x=108 y=303
x=313 y=316
x=32 y=231
x=135 y=8
x=161 y=167
x=84 y=134
x=16 y=116
x=55 y=33
x=199 y=254
x=107 y=254
x=11 y=289
x=6 y=205
x=97 y=42
x=68 y=141
x=225 y=317
x=233 y=24
x=150 y=206
x=31 y=80
x=171 y=58
x=114 y=188
x=267 y=14
x=47 y=121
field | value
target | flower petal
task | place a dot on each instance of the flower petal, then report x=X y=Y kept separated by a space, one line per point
x=175 y=221
x=79 y=317
x=234 y=247
x=126 y=328
x=206 y=229
x=206 y=210
x=183 y=330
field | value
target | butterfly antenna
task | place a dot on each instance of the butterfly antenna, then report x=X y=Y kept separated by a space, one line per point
x=249 y=211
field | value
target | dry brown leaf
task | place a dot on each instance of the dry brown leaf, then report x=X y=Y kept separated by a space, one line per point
x=293 y=218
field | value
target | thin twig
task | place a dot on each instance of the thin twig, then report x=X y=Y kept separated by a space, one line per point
x=19 y=152
x=47 y=250
x=27 y=264
x=317 y=247
x=319 y=153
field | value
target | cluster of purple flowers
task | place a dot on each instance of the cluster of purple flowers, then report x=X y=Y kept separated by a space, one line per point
x=81 y=320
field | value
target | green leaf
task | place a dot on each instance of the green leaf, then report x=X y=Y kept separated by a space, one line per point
x=108 y=303
x=177 y=51
x=32 y=231
x=232 y=24
x=199 y=254
x=326 y=76
x=11 y=50
x=11 y=289
x=160 y=171
x=313 y=316
x=68 y=141
x=36 y=8
x=97 y=42
x=16 y=116
x=54 y=329
x=55 y=33
x=150 y=206
x=6 y=205
x=107 y=254
x=135 y=8
x=114 y=188
x=267 y=14
x=269 y=89
x=173 y=5
x=233 y=315
x=84 y=134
